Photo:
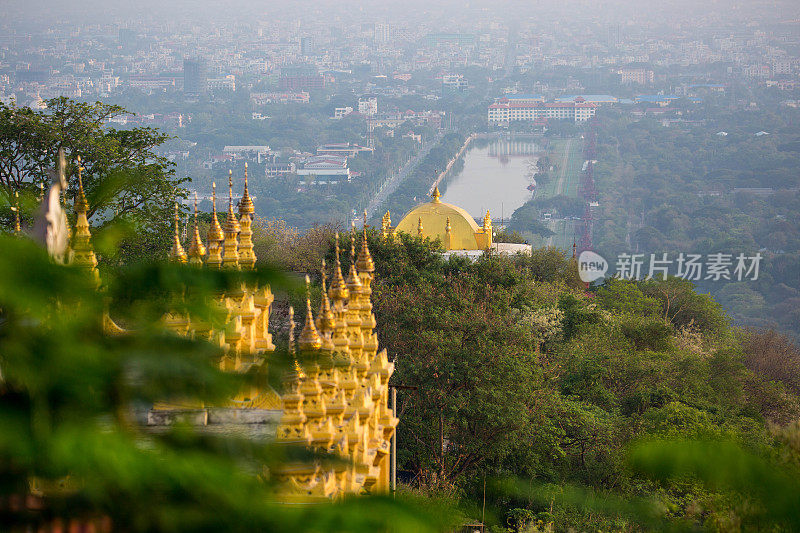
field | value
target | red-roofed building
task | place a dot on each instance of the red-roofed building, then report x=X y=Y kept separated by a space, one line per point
x=505 y=110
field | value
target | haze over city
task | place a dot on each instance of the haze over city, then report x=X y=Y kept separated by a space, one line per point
x=424 y=266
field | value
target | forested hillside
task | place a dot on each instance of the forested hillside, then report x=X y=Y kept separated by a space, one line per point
x=726 y=184
x=514 y=370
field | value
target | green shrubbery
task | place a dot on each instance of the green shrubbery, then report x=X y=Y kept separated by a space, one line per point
x=519 y=372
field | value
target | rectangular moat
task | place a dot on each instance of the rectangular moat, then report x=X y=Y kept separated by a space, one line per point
x=494 y=176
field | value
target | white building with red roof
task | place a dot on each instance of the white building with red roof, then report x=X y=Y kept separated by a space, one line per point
x=505 y=110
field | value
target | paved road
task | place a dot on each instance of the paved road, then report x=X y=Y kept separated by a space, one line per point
x=394 y=181
x=561 y=227
x=563 y=174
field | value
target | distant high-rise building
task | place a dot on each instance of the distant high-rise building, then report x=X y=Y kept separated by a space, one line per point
x=383 y=32
x=195 y=78
x=300 y=78
x=225 y=83
x=638 y=76
x=460 y=39
x=306 y=46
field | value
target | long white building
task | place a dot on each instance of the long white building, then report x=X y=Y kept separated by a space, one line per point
x=506 y=110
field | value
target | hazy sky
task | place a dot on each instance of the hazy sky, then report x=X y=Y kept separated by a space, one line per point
x=116 y=11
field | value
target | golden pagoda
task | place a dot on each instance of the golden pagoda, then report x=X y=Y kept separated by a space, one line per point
x=82 y=254
x=452 y=225
x=334 y=400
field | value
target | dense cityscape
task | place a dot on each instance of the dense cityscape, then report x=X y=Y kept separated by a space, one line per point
x=551 y=244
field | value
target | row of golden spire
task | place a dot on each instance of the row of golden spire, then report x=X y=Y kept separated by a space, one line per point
x=318 y=334
x=230 y=245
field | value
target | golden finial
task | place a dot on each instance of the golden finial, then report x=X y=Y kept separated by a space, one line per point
x=447 y=227
x=177 y=252
x=230 y=247
x=215 y=231
x=81 y=205
x=365 y=263
x=17 y=226
x=419 y=227
x=338 y=290
x=436 y=195
x=247 y=257
x=83 y=255
x=353 y=283
x=215 y=236
x=487 y=220
x=309 y=338
x=196 y=249
x=325 y=316
x=291 y=329
x=246 y=206
x=232 y=222
x=385 y=226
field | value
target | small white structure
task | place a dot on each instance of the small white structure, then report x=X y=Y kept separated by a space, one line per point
x=341 y=112
x=501 y=248
x=325 y=166
x=368 y=105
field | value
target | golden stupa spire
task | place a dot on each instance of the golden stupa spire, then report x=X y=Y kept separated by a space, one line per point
x=419 y=227
x=325 y=318
x=365 y=263
x=338 y=294
x=81 y=205
x=291 y=330
x=230 y=247
x=487 y=230
x=338 y=290
x=17 y=226
x=247 y=257
x=436 y=194
x=386 y=225
x=177 y=253
x=83 y=254
x=309 y=338
x=196 y=248
x=246 y=206
x=353 y=283
x=215 y=235
x=448 y=235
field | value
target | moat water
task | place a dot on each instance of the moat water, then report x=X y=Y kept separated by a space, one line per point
x=494 y=176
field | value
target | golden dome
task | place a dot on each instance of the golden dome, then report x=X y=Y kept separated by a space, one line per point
x=465 y=234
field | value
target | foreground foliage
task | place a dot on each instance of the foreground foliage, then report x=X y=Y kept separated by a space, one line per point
x=72 y=399
x=127 y=182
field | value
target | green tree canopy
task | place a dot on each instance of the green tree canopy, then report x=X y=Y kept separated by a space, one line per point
x=125 y=179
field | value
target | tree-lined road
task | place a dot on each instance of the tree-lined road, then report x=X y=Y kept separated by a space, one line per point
x=394 y=181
